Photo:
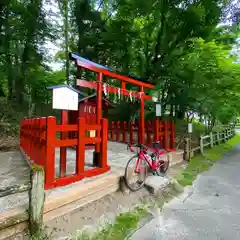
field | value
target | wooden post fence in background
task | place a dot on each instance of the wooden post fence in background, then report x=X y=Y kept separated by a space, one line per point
x=218 y=138
x=187 y=150
x=201 y=144
x=211 y=140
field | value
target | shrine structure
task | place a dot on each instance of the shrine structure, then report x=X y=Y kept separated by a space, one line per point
x=39 y=137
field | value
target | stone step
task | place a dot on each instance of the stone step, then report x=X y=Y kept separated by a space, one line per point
x=62 y=196
x=156 y=183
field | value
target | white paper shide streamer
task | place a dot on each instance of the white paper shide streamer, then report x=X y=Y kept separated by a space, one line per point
x=130 y=96
x=105 y=89
x=119 y=94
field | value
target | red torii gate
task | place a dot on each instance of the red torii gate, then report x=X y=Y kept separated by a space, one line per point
x=98 y=85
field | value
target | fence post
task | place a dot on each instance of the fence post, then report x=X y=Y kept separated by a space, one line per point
x=112 y=131
x=137 y=123
x=80 y=151
x=156 y=130
x=42 y=127
x=118 y=131
x=166 y=134
x=229 y=133
x=34 y=133
x=218 y=138
x=30 y=138
x=201 y=144
x=50 y=150
x=37 y=139
x=148 y=132
x=211 y=140
x=224 y=135
x=104 y=142
x=36 y=200
x=124 y=132
x=186 y=155
x=131 y=132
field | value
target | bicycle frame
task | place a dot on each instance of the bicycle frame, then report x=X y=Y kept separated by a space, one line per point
x=154 y=165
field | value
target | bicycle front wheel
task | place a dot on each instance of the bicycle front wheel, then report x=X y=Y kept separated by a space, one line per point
x=135 y=173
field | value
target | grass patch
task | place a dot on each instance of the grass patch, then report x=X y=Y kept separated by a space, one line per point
x=201 y=163
x=123 y=225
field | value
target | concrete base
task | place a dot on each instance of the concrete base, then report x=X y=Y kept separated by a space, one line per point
x=156 y=183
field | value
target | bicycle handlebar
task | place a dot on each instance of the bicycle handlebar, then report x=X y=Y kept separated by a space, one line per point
x=139 y=145
x=145 y=148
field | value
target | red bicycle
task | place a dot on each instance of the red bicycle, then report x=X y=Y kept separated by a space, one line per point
x=146 y=158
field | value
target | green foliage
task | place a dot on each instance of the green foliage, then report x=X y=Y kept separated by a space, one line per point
x=177 y=45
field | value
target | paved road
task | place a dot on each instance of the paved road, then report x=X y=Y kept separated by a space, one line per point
x=209 y=210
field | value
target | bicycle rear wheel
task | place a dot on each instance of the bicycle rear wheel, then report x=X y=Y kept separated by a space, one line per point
x=135 y=173
x=163 y=165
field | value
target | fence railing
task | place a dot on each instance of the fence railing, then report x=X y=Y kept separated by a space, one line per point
x=208 y=141
x=155 y=130
x=38 y=141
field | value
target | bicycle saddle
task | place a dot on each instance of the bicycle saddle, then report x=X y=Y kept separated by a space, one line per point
x=157 y=145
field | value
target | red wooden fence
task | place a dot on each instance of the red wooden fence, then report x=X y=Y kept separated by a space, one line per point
x=155 y=130
x=38 y=139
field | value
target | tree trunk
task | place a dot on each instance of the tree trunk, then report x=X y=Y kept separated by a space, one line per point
x=8 y=57
x=66 y=39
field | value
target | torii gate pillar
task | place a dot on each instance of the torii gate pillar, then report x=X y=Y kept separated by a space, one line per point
x=96 y=157
x=142 y=127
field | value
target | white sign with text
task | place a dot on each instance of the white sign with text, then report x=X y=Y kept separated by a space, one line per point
x=65 y=99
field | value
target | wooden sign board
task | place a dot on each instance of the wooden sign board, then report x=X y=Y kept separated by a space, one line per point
x=65 y=99
x=92 y=133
